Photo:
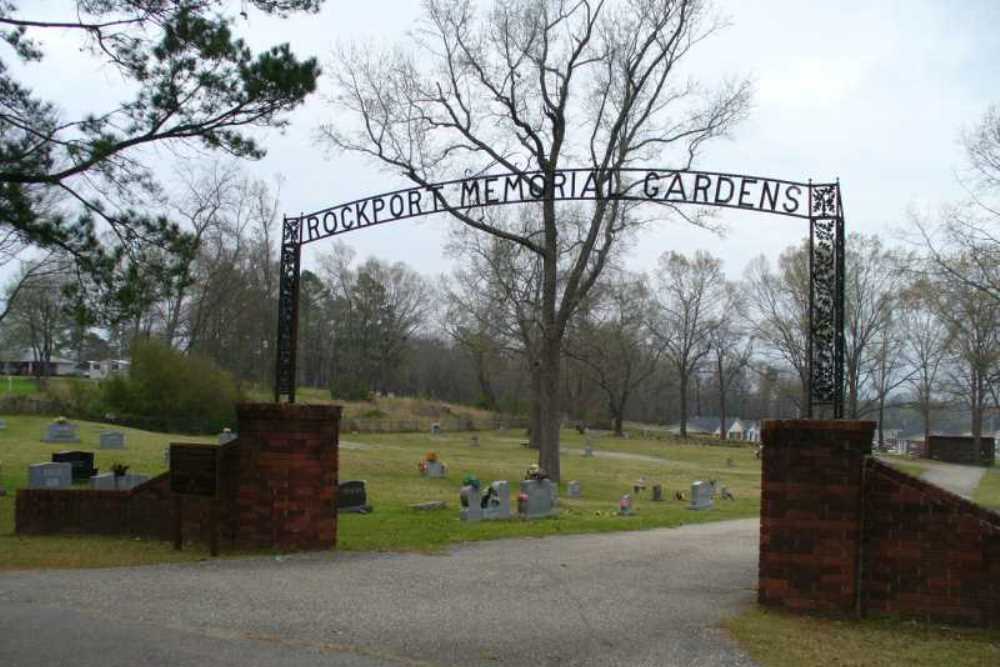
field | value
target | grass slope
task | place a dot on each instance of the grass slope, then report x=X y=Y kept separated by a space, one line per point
x=775 y=639
x=988 y=492
x=388 y=462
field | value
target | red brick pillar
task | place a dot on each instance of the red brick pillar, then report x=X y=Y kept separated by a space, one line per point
x=287 y=482
x=811 y=513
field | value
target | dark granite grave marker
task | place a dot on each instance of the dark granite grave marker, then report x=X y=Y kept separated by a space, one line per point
x=82 y=462
x=352 y=496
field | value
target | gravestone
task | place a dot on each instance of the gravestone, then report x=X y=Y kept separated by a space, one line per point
x=352 y=496
x=435 y=428
x=496 y=503
x=430 y=505
x=537 y=498
x=701 y=496
x=166 y=456
x=657 y=493
x=3 y=424
x=82 y=462
x=62 y=433
x=434 y=469
x=107 y=481
x=469 y=501
x=50 y=475
x=574 y=489
x=639 y=486
x=227 y=436
x=112 y=440
x=588 y=451
x=625 y=506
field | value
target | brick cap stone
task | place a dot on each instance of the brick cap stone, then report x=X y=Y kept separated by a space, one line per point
x=282 y=411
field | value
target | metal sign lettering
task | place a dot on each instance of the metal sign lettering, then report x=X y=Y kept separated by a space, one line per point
x=641 y=185
x=819 y=203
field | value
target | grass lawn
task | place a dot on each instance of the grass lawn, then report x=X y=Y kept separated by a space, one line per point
x=16 y=385
x=389 y=465
x=903 y=463
x=776 y=639
x=388 y=462
x=988 y=492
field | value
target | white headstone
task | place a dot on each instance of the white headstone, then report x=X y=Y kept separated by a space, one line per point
x=106 y=481
x=588 y=451
x=574 y=489
x=435 y=469
x=470 y=503
x=497 y=501
x=701 y=496
x=227 y=436
x=50 y=475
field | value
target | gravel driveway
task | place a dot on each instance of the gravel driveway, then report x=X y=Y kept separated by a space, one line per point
x=640 y=598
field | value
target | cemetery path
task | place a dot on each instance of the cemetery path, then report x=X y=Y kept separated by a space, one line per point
x=641 y=598
x=960 y=479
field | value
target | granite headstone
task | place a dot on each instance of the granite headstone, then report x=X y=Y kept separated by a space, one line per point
x=112 y=440
x=82 y=462
x=50 y=475
x=62 y=432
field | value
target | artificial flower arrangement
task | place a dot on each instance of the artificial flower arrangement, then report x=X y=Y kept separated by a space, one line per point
x=430 y=457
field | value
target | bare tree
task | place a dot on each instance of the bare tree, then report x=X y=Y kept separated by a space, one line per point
x=967 y=231
x=871 y=284
x=732 y=346
x=779 y=304
x=533 y=86
x=612 y=340
x=689 y=294
x=926 y=347
x=973 y=320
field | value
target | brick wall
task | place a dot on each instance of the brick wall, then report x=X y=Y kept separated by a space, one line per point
x=844 y=533
x=811 y=503
x=144 y=511
x=928 y=553
x=278 y=485
x=961 y=449
x=285 y=497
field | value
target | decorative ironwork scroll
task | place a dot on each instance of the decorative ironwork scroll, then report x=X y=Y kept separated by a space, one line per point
x=818 y=203
x=826 y=301
x=288 y=310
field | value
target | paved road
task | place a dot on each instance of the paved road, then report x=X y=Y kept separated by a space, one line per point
x=643 y=598
x=959 y=479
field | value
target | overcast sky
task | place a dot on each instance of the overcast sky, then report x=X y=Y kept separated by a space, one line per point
x=874 y=93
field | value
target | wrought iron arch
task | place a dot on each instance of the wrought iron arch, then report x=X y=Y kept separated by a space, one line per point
x=819 y=203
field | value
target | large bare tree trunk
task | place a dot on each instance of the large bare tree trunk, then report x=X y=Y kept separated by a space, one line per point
x=684 y=405
x=722 y=401
x=550 y=408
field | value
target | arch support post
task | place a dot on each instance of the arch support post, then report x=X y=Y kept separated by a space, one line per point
x=826 y=302
x=288 y=310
